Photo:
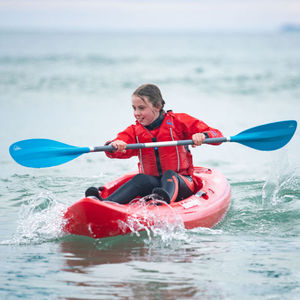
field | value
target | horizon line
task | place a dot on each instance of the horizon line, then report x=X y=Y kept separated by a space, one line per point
x=281 y=29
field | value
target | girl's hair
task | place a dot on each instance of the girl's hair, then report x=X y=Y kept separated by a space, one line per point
x=152 y=92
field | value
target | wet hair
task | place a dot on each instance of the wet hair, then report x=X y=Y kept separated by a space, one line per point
x=152 y=92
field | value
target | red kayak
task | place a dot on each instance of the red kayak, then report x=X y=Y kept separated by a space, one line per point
x=100 y=219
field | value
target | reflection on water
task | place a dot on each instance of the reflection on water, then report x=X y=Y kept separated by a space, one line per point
x=142 y=267
x=82 y=252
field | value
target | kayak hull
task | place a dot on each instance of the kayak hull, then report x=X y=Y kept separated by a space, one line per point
x=99 y=219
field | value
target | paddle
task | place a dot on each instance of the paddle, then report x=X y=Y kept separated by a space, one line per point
x=42 y=153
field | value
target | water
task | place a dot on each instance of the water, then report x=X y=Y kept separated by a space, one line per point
x=75 y=88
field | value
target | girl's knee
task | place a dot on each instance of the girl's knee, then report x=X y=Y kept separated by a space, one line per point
x=169 y=174
x=139 y=178
x=143 y=180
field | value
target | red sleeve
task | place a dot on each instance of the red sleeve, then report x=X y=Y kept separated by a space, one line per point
x=192 y=125
x=128 y=136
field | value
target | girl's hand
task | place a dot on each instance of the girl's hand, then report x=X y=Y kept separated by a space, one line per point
x=119 y=145
x=198 y=139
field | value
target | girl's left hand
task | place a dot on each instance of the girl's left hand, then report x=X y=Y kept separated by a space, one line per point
x=198 y=139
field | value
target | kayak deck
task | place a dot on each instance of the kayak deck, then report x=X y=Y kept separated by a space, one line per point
x=99 y=219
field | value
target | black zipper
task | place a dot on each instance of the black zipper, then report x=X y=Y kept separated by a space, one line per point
x=158 y=164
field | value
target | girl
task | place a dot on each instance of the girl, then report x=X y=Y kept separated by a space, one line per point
x=165 y=171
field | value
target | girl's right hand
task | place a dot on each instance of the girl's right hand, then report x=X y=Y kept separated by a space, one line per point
x=119 y=145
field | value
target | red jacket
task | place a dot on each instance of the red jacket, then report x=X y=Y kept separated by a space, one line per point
x=155 y=161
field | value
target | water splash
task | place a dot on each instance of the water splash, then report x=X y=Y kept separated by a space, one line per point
x=162 y=231
x=40 y=220
x=282 y=185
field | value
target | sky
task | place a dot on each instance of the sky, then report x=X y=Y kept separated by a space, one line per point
x=149 y=15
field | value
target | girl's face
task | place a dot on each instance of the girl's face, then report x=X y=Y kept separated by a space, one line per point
x=144 y=111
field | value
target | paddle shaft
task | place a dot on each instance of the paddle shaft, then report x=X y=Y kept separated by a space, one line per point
x=42 y=153
x=160 y=144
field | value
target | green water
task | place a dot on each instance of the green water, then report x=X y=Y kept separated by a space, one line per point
x=76 y=88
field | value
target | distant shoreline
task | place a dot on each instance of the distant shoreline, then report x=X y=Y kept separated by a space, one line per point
x=290 y=28
x=35 y=30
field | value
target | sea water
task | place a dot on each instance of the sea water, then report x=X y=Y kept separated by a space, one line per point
x=76 y=88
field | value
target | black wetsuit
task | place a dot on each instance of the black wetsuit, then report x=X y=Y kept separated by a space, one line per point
x=171 y=186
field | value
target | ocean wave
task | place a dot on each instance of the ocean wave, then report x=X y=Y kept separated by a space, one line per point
x=269 y=207
x=52 y=59
x=87 y=80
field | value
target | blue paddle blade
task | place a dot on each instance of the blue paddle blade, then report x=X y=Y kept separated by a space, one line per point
x=267 y=137
x=43 y=153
